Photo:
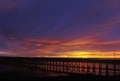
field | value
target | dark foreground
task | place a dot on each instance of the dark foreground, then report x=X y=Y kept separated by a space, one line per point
x=10 y=73
x=72 y=77
x=17 y=72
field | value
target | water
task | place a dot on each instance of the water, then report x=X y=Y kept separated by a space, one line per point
x=14 y=72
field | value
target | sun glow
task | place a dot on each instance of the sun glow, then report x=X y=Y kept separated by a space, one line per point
x=87 y=54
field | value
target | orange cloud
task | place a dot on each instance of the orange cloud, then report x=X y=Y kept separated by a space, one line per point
x=84 y=47
x=38 y=45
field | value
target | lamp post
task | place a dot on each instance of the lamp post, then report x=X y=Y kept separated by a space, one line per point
x=114 y=55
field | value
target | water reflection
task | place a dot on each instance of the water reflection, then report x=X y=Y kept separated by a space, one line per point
x=104 y=69
x=14 y=71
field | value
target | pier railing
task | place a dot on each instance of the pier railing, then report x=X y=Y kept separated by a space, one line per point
x=102 y=67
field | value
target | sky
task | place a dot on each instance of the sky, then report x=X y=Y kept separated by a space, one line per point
x=60 y=28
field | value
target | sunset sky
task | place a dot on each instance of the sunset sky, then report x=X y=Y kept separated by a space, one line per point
x=65 y=28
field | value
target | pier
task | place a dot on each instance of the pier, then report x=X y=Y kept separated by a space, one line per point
x=99 y=67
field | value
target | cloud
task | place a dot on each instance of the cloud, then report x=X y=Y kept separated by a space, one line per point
x=7 y=5
x=51 y=20
x=38 y=47
x=53 y=28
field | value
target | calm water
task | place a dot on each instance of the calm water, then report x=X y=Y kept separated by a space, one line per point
x=8 y=71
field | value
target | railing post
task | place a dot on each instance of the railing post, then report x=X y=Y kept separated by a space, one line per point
x=106 y=69
x=47 y=64
x=93 y=68
x=88 y=68
x=100 y=68
x=67 y=67
x=50 y=65
x=78 y=69
x=114 y=69
x=83 y=67
x=63 y=66
x=53 y=65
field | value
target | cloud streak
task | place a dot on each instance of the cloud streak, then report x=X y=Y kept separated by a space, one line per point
x=79 y=47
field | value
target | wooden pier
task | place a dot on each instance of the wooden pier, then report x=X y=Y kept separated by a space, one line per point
x=101 y=67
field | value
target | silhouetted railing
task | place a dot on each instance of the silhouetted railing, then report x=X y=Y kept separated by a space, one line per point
x=102 y=67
